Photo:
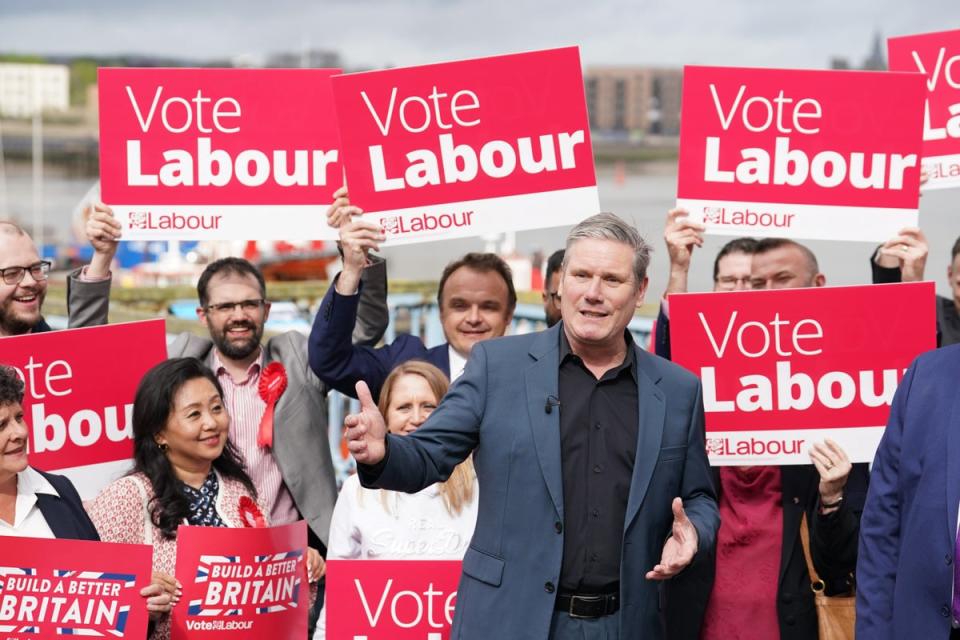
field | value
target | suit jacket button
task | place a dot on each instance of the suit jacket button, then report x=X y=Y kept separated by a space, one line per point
x=947 y=559
x=548 y=587
x=796 y=500
x=945 y=611
x=558 y=526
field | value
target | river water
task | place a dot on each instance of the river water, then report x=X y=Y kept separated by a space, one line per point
x=643 y=196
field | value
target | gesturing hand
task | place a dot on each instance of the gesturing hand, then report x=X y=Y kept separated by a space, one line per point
x=682 y=235
x=834 y=468
x=680 y=547
x=366 y=431
x=907 y=250
x=340 y=211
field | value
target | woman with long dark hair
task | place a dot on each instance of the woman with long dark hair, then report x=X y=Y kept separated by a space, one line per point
x=185 y=469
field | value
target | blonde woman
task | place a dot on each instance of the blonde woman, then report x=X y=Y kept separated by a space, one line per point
x=434 y=524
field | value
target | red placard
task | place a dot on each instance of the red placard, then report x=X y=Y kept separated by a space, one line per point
x=782 y=369
x=937 y=57
x=469 y=147
x=78 y=395
x=391 y=599
x=804 y=154
x=216 y=153
x=249 y=583
x=56 y=588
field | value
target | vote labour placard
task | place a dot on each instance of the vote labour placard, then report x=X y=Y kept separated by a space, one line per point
x=471 y=147
x=225 y=154
x=79 y=386
x=248 y=583
x=829 y=155
x=937 y=57
x=391 y=599
x=55 y=588
x=782 y=369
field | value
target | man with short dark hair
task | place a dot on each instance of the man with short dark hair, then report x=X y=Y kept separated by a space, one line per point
x=23 y=285
x=589 y=452
x=551 y=287
x=476 y=299
x=289 y=463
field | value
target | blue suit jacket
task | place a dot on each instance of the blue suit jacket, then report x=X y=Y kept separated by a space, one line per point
x=496 y=408
x=65 y=514
x=340 y=363
x=909 y=523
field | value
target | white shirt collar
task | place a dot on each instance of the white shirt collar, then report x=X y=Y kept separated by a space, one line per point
x=30 y=483
x=457 y=363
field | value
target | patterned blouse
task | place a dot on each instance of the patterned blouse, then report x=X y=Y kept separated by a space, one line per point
x=120 y=514
x=203 y=508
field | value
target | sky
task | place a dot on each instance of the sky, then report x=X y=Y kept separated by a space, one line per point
x=377 y=33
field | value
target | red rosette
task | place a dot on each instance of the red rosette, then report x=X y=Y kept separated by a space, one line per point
x=273 y=382
x=250 y=514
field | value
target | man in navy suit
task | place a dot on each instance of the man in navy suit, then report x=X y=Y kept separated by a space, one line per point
x=476 y=298
x=908 y=583
x=595 y=485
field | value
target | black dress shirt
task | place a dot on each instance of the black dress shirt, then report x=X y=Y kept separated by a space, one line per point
x=598 y=446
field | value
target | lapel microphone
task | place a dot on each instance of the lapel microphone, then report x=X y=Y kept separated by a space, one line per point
x=552 y=401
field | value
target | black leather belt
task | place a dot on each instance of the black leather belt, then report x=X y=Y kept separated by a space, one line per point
x=588 y=606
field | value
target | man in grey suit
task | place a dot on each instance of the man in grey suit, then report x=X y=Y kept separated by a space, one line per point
x=23 y=285
x=590 y=455
x=294 y=474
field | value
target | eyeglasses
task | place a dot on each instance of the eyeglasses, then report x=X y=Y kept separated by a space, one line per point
x=38 y=271
x=247 y=306
x=553 y=296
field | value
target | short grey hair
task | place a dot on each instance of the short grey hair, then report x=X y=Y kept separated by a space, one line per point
x=607 y=226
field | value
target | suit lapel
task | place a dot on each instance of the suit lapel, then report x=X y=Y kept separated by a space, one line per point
x=57 y=515
x=953 y=466
x=652 y=410
x=541 y=380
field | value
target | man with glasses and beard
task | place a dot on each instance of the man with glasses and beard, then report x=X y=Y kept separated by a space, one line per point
x=288 y=460
x=23 y=285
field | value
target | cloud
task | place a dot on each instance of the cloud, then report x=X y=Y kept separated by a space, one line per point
x=374 y=33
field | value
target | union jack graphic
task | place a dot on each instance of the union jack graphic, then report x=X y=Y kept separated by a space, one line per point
x=196 y=607
x=123 y=612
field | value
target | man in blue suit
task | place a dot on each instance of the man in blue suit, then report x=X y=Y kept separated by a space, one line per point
x=908 y=584
x=590 y=455
x=476 y=298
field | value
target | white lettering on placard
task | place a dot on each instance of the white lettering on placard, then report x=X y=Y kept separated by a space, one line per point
x=225 y=107
x=84 y=428
x=794 y=167
x=463 y=100
x=766 y=113
x=462 y=163
x=798 y=391
x=427 y=604
x=760 y=329
x=216 y=167
x=39 y=391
